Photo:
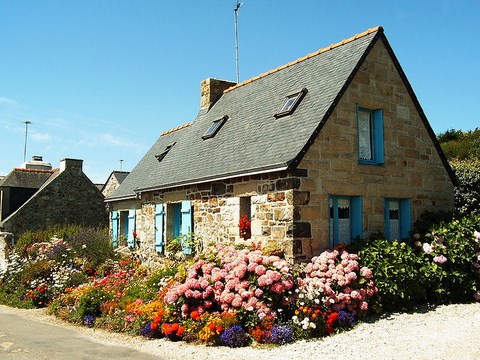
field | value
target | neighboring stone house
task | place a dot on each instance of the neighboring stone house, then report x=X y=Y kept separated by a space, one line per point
x=113 y=182
x=37 y=197
x=327 y=148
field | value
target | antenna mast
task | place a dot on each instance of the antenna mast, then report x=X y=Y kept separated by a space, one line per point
x=27 y=122
x=235 y=11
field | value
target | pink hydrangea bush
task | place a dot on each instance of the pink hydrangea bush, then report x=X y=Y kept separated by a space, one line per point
x=335 y=280
x=228 y=279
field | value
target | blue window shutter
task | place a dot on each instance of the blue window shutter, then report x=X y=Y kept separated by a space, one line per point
x=186 y=227
x=356 y=216
x=405 y=218
x=131 y=228
x=115 y=228
x=378 y=146
x=159 y=219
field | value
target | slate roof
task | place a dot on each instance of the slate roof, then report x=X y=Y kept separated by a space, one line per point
x=26 y=178
x=252 y=140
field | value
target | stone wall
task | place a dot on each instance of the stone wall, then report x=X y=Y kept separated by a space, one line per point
x=412 y=168
x=110 y=187
x=6 y=241
x=69 y=197
x=216 y=210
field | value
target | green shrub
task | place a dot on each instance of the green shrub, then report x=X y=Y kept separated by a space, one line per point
x=396 y=268
x=437 y=269
x=454 y=280
x=31 y=237
x=93 y=244
x=467 y=190
x=90 y=303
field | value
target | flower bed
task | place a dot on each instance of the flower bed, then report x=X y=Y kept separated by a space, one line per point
x=238 y=296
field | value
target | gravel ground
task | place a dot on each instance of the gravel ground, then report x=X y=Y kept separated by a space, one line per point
x=446 y=332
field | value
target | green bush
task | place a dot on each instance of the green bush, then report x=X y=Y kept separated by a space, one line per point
x=31 y=237
x=396 y=268
x=90 y=303
x=467 y=190
x=454 y=280
x=437 y=269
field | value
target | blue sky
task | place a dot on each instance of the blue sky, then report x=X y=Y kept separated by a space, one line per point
x=101 y=79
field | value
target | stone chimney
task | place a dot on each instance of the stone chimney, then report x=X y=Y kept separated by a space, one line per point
x=211 y=90
x=72 y=165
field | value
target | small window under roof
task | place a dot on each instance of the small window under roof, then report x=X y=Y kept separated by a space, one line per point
x=291 y=102
x=214 y=127
x=165 y=152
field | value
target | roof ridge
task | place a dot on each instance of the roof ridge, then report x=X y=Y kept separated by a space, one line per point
x=308 y=56
x=36 y=170
x=176 y=128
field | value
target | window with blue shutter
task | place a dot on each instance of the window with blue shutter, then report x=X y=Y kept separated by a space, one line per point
x=397 y=219
x=186 y=224
x=131 y=228
x=115 y=228
x=370 y=136
x=345 y=219
x=159 y=224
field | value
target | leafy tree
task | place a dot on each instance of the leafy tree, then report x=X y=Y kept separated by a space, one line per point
x=462 y=149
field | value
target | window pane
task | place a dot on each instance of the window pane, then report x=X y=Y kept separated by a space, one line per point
x=364 y=135
x=393 y=219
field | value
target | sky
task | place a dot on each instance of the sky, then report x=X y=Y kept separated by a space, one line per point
x=99 y=80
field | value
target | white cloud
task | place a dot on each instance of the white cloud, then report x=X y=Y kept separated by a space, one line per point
x=6 y=101
x=41 y=137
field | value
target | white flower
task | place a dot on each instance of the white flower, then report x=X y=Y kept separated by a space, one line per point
x=316 y=301
x=427 y=248
x=84 y=246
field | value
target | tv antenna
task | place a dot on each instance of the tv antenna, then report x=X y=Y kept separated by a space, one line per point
x=235 y=12
x=26 y=122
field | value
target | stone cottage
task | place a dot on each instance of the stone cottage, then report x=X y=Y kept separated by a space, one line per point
x=327 y=148
x=113 y=182
x=36 y=197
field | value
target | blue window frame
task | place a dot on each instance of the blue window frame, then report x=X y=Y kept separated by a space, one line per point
x=370 y=136
x=345 y=219
x=131 y=228
x=180 y=222
x=397 y=219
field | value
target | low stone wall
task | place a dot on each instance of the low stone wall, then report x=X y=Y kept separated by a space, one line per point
x=6 y=240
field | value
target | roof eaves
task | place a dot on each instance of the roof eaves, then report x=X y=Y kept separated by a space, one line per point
x=264 y=170
x=378 y=29
x=120 y=198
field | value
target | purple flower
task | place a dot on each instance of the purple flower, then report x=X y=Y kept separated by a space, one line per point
x=281 y=335
x=346 y=319
x=89 y=320
x=235 y=337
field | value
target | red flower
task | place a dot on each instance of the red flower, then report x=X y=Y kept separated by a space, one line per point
x=195 y=315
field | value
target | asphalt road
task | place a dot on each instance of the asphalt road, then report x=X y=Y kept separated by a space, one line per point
x=23 y=338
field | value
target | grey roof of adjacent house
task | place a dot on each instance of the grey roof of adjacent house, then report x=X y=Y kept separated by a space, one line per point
x=26 y=178
x=252 y=140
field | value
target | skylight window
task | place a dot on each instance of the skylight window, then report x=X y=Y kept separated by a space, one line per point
x=214 y=127
x=161 y=156
x=291 y=102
